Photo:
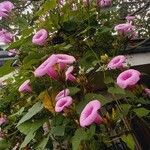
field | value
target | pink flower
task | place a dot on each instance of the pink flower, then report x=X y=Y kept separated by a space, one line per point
x=25 y=87
x=147 y=91
x=125 y=29
x=90 y=115
x=62 y=103
x=5 y=36
x=5 y=8
x=128 y=78
x=40 y=37
x=69 y=75
x=130 y=18
x=3 y=120
x=104 y=3
x=62 y=94
x=12 y=52
x=116 y=62
x=54 y=63
x=65 y=59
x=47 y=67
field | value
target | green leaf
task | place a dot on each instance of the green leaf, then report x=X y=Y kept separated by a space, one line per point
x=29 y=126
x=89 y=97
x=27 y=139
x=73 y=90
x=31 y=112
x=6 y=68
x=116 y=90
x=92 y=96
x=69 y=26
x=43 y=143
x=129 y=141
x=91 y=131
x=48 y=5
x=126 y=108
x=18 y=113
x=108 y=80
x=79 y=136
x=141 y=112
x=4 y=145
x=58 y=130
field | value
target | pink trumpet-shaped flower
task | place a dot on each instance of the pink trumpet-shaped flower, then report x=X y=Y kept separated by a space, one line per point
x=46 y=67
x=5 y=36
x=104 y=3
x=65 y=59
x=125 y=29
x=25 y=87
x=128 y=78
x=62 y=94
x=90 y=115
x=5 y=8
x=54 y=62
x=147 y=91
x=116 y=62
x=40 y=37
x=69 y=75
x=62 y=103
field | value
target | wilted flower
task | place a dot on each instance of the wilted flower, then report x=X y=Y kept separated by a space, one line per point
x=116 y=62
x=3 y=119
x=130 y=18
x=25 y=87
x=62 y=94
x=40 y=37
x=5 y=8
x=12 y=52
x=69 y=75
x=104 y=3
x=5 y=36
x=128 y=78
x=62 y=103
x=90 y=115
x=45 y=128
x=147 y=91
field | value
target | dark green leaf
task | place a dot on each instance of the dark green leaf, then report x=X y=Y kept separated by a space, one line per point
x=43 y=143
x=4 y=145
x=79 y=136
x=29 y=126
x=73 y=90
x=58 y=130
x=31 y=112
x=116 y=90
x=27 y=139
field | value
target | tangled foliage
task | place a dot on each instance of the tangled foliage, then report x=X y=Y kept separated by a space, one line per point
x=66 y=92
